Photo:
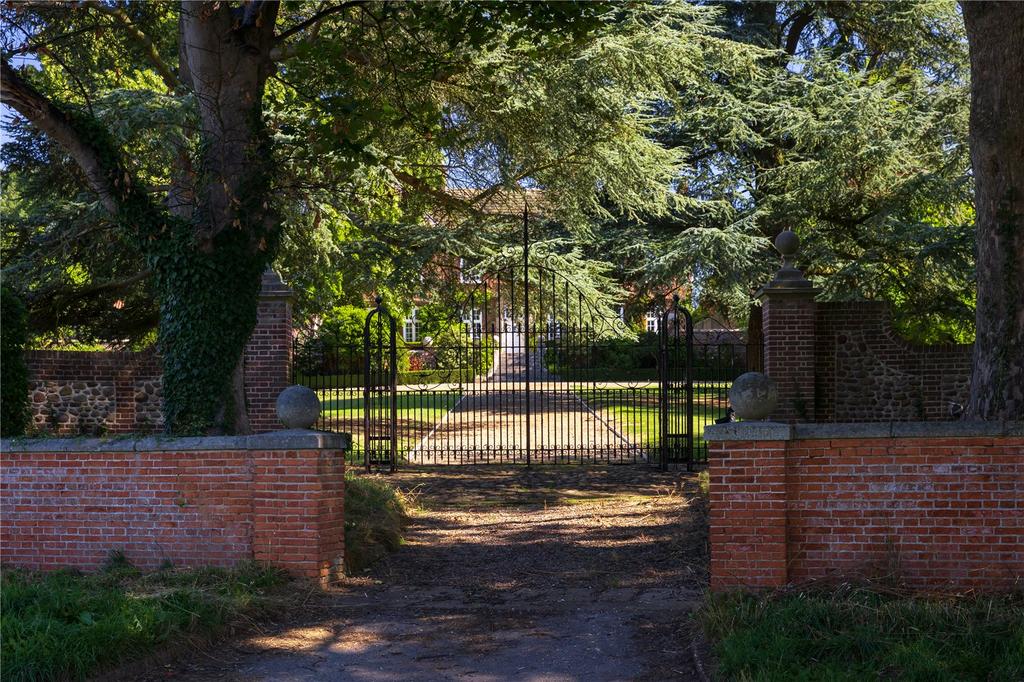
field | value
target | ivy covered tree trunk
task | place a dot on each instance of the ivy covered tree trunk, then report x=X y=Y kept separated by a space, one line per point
x=208 y=275
x=995 y=32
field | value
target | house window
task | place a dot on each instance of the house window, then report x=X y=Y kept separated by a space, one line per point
x=474 y=321
x=621 y=312
x=652 y=321
x=411 y=328
x=554 y=327
x=467 y=277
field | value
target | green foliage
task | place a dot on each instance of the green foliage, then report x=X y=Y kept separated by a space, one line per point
x=208 y=304
x=338 y=344
x=376 y=514
x=852 y=132
x=413 y=377
x=64 y=625
x=579 y=357
x=569 y=355
x=453 y=347
x=346 y=326
x=14 y=386
x=857 y=634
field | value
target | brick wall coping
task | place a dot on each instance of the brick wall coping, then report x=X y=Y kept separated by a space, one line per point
x=748 y=431
x=297 y=439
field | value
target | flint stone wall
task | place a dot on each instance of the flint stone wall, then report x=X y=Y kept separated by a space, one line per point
x=94 y=393
x=85 y=393
x=864 y=371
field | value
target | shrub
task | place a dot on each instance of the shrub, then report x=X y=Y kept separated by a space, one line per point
x=453 y=348
x=576 y=353
x=622 y=357
x=337 y=346
x=14 y=387
x=376 y=514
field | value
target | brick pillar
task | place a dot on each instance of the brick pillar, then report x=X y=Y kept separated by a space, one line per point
x=788 y=314
x=748 y=519
x=268 y=355
x=299 y=504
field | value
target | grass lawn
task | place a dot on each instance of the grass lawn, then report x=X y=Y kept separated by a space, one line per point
x=67 y=625
x=418 y=412
x=858 y=634
x=635 y=412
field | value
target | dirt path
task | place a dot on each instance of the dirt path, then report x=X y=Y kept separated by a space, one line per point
x=548 y=573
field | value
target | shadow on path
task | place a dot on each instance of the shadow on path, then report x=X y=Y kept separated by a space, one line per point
x=547 y=573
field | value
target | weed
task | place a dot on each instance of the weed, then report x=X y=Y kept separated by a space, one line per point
x=68 y=625
x=376 y=514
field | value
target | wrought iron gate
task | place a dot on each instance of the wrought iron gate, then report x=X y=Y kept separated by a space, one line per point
x=527 y=370
x=675 y=385
x=380 y=390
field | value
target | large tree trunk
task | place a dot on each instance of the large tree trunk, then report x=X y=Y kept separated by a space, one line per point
x=225 y=61
x=995 y=33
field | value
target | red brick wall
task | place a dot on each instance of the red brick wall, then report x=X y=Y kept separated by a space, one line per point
x=75 y=393
x=69 y=503
x=935 y=512
x=748 y=514
x=268 y=363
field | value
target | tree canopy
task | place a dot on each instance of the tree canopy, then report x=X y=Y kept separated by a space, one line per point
x=668 y=143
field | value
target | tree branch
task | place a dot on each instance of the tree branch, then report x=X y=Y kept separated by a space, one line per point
x=148 y=48
x=800 y=21
x=32 y=47
x=316 y=18
x=440 y=195
x=16 y=93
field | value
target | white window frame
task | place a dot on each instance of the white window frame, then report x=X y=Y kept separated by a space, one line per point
x=411 y=323
x=474 y=321
x=652 y=321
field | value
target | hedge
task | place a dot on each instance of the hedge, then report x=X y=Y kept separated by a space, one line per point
x=14 y=386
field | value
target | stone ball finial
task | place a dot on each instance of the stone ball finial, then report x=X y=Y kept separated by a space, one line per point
x=787 y=243
x=753 y=395
x=298 y=407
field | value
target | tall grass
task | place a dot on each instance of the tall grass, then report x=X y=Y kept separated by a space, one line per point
x=66 y=625
x=376 y=514
x=860 y=634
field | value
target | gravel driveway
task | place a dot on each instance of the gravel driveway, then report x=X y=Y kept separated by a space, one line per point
x=508 y=573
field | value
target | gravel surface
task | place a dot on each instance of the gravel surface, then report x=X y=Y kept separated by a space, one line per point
x=508 y=573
